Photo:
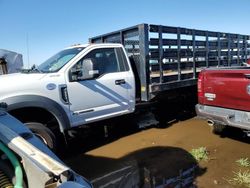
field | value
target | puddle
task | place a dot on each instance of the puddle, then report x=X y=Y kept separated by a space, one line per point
x=152 y=167
x=159 y=155
x=132 y=177
x=186 y=178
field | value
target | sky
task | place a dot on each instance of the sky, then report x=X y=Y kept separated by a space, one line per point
x=39 y=28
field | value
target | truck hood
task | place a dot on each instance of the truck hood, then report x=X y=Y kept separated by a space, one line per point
x=19 y=77
x=20 y=83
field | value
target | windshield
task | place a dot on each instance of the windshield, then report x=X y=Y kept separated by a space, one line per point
x=56 y=62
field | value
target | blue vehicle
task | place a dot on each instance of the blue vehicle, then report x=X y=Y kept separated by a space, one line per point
x=26 y=162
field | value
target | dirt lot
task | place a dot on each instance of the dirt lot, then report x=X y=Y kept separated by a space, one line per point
x=159 y=156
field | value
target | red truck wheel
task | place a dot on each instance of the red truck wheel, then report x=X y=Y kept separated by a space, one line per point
x=218 y=128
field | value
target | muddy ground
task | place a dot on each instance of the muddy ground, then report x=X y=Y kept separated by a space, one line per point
x=149 y=157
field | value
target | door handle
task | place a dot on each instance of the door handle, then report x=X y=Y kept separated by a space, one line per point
x=120 y=82
x=247 y=76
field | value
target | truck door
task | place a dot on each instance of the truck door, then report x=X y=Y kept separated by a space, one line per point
x=105 y=96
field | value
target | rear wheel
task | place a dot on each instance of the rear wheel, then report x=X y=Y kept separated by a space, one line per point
x=218 y=128
x=43 y=133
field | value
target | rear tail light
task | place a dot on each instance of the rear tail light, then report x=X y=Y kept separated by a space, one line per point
x=200 y=88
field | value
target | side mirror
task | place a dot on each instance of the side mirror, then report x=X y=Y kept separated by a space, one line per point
x=88 y=70
x=3 y=105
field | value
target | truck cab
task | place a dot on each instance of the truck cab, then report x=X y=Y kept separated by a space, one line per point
x=79 y=85
x=100 y=84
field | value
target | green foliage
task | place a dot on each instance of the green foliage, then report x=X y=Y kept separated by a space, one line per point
x=200 y=154
x=244 y=162
x=241 y=178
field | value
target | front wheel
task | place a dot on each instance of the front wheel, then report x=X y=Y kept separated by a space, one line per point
x=218 y=128
x=43 y=133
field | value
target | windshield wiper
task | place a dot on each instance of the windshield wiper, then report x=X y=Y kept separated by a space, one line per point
x=33 y=69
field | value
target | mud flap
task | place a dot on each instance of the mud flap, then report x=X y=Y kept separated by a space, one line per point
x=147 y=119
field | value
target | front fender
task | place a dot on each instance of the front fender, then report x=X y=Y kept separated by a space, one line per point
x=18 y=102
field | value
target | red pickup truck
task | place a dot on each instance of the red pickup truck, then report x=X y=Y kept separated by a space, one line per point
x=224 y=97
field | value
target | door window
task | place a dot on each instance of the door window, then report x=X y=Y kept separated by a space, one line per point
x=109 y=60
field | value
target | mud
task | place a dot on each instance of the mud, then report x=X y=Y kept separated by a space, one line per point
x=155 y=157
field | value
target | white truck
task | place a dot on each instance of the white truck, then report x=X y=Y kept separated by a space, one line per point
x=88 y=83
x=72 y=88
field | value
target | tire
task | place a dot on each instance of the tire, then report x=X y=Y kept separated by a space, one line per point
x=43 y=133
x=218 y=128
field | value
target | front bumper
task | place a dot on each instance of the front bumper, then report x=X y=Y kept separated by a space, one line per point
x=224 y=116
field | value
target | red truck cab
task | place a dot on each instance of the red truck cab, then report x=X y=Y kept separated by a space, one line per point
x=224 y=97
